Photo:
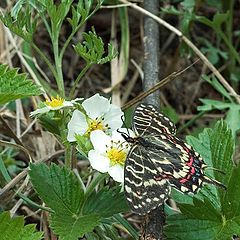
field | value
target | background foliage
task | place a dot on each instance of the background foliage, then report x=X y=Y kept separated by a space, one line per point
x=64 y=50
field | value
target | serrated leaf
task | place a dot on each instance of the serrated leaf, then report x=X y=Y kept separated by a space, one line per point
x=58 y=187
x=14 y=229
x=57 y=13
x=70 y=227
x=61 y=190
x=231 y=203
x=106 y=202
x=14 y=85
x=200 y=210
x=222 y=146
x=92 y=49
x=183 y=228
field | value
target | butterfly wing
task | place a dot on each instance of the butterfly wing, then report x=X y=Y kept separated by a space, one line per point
x=178 y=163
x=143 y=191
x=148 y=120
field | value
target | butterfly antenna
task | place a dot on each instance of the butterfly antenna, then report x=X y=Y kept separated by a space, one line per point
x=125 y=126
x=207 y=179
x=216 y=170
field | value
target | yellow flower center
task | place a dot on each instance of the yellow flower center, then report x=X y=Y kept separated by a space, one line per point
x=116 y=156
x=95 y=125
x=55 y=102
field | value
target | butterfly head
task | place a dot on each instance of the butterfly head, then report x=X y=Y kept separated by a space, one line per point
x=126 y=136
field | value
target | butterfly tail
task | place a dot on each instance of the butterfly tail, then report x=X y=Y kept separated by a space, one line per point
x=206 y=179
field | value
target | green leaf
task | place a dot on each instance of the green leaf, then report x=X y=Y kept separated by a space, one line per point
x=219 y=19
x=218 y=86
x=57 y=13
x=213 y=54
x=183 y=228
x=92 y=49
x=80 y=13
x=188 y=4
x=23 y=25
x=233 y=114
x=14 y=229
x=210 y=104
x=231 y=203
x=171 y=113
x=106 y=202
x=131 y=230
x=222 y=147
x=233 y=118
x=70 y=227
x=58 y=187
x=61 y=190
x=203 y=210
x=216 y=23
x=14 y=85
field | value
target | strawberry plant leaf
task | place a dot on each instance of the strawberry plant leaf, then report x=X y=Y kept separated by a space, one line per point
x=14 y=229
x=14 y=85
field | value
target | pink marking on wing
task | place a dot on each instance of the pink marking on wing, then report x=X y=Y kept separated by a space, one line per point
x=183 y=180
x=190 y=162
x=192 y=170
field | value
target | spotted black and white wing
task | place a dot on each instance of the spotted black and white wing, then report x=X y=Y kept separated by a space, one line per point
x=148 y=120
x=143 y=190
x=178 y=163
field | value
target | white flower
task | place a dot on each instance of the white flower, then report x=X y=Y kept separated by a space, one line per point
x=100 y=115
x=56 y=103
x=109 y=153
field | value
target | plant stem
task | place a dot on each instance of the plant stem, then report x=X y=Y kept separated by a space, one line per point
x=74 y=31
x=99 y=177
x=151 y=52
x=68 y=155
x=78 y=79
x=44 y=58
x=58 y=62
x=233 y=51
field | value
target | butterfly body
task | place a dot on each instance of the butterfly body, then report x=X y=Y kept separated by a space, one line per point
x=158 y=160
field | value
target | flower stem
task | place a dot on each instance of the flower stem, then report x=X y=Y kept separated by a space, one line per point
x=99 y=177
x=68 y=155
x=78 y=79
x=58 y=63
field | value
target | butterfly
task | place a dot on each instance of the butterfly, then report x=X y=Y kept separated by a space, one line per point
x=158 y=160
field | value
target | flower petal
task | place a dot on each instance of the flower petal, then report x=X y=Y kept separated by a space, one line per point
x=74 y=101
x=117 y=173
x=67 y=103
x=98 y=161
x=113 y=117
x=100 y=140
x=40 y=111
x=77 y=125
x=96 y=106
